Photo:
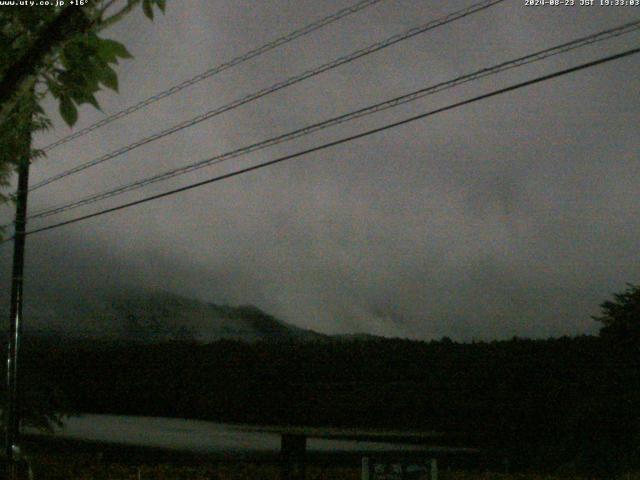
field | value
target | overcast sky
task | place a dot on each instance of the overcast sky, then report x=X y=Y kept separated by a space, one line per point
x=516 y=215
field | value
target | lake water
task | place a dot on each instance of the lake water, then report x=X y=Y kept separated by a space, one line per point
x=200 y=436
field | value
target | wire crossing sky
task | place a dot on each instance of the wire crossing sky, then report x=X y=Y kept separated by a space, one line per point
x=375 y=47
x=306 y=30
x=343 y=140
x=394 y=102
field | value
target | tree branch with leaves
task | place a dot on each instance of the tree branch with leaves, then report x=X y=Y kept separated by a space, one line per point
x=56 y=51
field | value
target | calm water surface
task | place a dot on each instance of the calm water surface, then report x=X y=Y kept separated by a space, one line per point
x=199 y=436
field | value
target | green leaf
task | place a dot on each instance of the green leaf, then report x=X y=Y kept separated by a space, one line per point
x=68 y=111
x=106 y=53
x=86 y=97
x=53 y=87
x=91 y=40
x=147 y=8
x=162 y=5
x=109 y=78
x=109 y=50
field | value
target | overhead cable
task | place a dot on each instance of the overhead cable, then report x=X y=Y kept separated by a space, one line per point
x=306 y=30
x=369 y=110
x=334 y=143
x=274 y=88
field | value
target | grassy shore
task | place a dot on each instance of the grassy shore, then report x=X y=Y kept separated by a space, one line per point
x=55 y=468
x=58 y=459
x=75 y=467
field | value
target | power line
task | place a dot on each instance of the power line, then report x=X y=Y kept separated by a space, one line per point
x=343 y=140
x=306 y=30
x=413 y=96
x=276 y=87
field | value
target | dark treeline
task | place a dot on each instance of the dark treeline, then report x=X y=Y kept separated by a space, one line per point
x=546 y=404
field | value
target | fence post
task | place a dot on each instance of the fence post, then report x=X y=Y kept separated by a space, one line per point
x=365 y=468
x=434 y=469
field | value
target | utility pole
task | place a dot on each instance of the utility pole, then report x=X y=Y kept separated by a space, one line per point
x=12 y=409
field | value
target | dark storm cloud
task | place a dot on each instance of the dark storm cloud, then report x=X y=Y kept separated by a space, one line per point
x=512 y=216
